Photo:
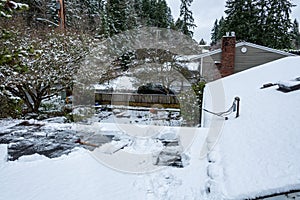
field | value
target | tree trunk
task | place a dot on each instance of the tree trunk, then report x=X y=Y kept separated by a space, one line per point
x=36 y=103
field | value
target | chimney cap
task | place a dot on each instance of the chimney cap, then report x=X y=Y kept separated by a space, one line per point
x=230 y=34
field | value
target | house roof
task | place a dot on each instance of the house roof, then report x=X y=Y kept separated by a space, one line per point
x=258 y=152
x=239 y=45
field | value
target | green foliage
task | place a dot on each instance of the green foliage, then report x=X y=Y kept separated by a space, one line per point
x=185 y=22
x=214 y=34
x=264 y=22
x=106 y=18
x=202 y=42
x=8 y=7
x=199 y=89
x=125 y=15
x=126 y=60
x=40 y=64
x=36 y=61
x=10 y=107
x=296 y=35
x=191 y=108
x=8 y=56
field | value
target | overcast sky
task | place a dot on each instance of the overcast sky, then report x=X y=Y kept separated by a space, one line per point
x=205 y=12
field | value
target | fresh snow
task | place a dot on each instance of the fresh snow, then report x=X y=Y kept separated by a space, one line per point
x=120 y=83
x=253 y=155
x=3 y=154
x=258 y=151
x=82 y=175
x=290 y=83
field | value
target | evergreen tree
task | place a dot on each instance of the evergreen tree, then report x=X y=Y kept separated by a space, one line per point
x=145 y=12
x=104 y=17
x=218 y=31
x=115 y=15
x=296 y=34
x=104 y=22
x=240 y=18
x=186 y=21
x=162 y=14
x=214 y=34
x=222 y=30
x=278 y=24
x=158 y=13
x=123 y=15
x=265 y=22
x=130 y=17
x=202 y=42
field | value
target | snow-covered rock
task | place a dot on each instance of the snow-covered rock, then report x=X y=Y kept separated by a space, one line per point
x=56 y=120
x=170 y=156
x=169 y=136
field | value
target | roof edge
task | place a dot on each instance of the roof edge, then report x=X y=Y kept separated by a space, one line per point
x=241 y=44
x=264 y=48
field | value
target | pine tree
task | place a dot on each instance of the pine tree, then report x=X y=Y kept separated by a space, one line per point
x=240 y=18
x=278 y=23
x=218 y=31
x=125 y=15
x=185 y=21
x=202 y=42
x=83 y=15
x=214 y=34
x=156 y=13
x=130 y=17
x=265 y=22
x=296 y=34
x=145 y=12
x=162 y=14
x=115 y=14
x=222 y=30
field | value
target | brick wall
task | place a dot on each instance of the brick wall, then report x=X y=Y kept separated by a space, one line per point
x=228 y=54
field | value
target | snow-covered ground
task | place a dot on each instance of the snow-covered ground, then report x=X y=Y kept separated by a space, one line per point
x=258 y=151
x=84 y=175
x=139 y=115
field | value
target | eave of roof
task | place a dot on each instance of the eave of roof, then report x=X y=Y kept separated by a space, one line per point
x=243 y=44
x=264 y=48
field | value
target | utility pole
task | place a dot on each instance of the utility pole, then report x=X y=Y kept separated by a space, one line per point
x=60 y=6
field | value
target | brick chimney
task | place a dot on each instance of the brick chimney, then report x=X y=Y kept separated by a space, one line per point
x=228 y=54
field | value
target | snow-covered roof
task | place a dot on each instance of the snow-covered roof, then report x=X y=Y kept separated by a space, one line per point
x=239 y=45
x=120 y=83
x=258 y=152
x=192 y=66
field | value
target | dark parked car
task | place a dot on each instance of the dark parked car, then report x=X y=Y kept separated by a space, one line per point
x=151 y=88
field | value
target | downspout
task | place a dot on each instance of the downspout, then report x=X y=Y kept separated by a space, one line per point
x=201 y=68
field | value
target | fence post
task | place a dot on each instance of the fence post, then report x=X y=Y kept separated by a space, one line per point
x=237 y=106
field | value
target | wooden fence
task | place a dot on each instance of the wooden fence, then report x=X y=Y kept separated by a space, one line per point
x=133 y=99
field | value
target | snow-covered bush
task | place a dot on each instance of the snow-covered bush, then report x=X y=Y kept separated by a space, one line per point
x=10 y=107
x=43 y=64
